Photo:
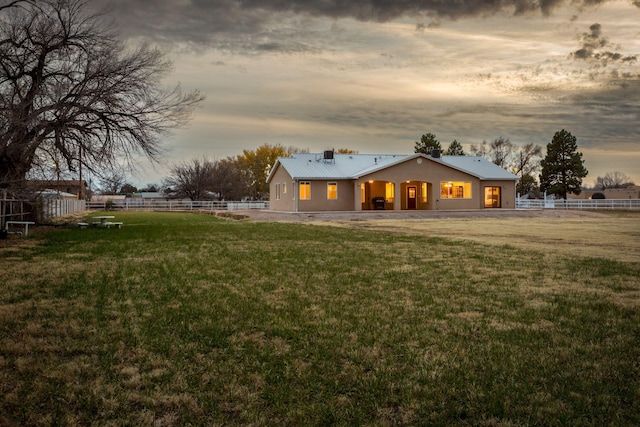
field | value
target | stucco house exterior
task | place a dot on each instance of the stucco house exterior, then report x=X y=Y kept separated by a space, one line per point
x=327 y=181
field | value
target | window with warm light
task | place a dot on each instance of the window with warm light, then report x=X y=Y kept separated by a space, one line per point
x=424 y=192
x=390 y=192
x=362 y=193
x=284 y=188
x=455 y=190
x=332 y=190
x=492 y=197
x=305 y=190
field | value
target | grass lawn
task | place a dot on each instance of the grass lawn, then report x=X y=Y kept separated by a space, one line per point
x=180 y=319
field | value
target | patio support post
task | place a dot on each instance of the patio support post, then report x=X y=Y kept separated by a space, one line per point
x=397 y=201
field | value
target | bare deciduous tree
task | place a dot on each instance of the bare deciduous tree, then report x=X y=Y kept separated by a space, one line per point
x=613 y=180
x=192 y=180
x=69 y=89
x=112 y=184
x=523 y=161
x=526 y=163
x=228 y=180
x=499 y=152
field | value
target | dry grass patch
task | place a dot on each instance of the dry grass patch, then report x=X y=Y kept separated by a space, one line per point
x=609 y=236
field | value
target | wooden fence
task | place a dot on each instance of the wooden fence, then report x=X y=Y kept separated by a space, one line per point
x=15 y=210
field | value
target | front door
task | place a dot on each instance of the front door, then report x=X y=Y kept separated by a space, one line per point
x=412 y=195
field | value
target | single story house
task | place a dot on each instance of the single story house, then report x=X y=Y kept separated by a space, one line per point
x=328 y=181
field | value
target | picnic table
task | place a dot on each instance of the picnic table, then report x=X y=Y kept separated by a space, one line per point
x=25 y=226
x=104 y=221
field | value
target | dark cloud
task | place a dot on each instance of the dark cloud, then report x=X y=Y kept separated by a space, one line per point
x=594 y=46
x=201 y=21
x=384 y=10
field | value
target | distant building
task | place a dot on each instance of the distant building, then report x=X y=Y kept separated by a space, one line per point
x=632 y=192
x=149 y=195
x=102 y=198
x=73 y=187
x=51 y=194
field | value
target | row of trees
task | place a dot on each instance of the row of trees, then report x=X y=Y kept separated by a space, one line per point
x=244 y=176
x=560 y=171
x=239 y=177
x=233 y=178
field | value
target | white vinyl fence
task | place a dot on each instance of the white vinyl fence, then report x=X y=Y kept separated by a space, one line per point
x=621 y=204
x=176 y=205
x=54 y=208
x=40 y=211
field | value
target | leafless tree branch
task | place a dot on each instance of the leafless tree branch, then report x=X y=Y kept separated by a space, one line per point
x=69 y=86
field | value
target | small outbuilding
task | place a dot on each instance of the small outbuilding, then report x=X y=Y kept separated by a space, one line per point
x=328 y=181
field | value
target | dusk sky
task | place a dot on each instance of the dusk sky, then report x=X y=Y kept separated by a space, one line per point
x=374 y=75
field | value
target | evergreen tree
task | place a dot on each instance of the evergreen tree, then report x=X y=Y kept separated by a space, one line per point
x=455 y=149
x=563 y=167
x=526 y=184
x=427 y=143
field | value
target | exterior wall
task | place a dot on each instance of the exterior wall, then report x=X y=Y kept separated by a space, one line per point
x=421 y=170
x=319 y=201
x=287 y=200
x=507 y=193
x=412 y=172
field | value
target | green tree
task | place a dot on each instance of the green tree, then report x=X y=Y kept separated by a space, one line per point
x=427 y=142
x=128 y=189
x=455 y=149
x=526 y=184
x=562 y=167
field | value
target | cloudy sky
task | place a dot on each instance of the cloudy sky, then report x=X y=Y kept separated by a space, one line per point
x=374 y=75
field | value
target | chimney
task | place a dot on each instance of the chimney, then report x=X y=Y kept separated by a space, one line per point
x=435 y=154
x=328 y=155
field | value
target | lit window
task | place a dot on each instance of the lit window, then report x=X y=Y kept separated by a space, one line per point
x=305 y=190
x=491 y=197
x=362 y=193
x=390 y=192
x=332 y=190
x=455 y=190
x=424 y=192
x=284 y=188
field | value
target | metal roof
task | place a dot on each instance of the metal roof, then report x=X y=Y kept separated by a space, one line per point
x=477 y=166
x=352 y=166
